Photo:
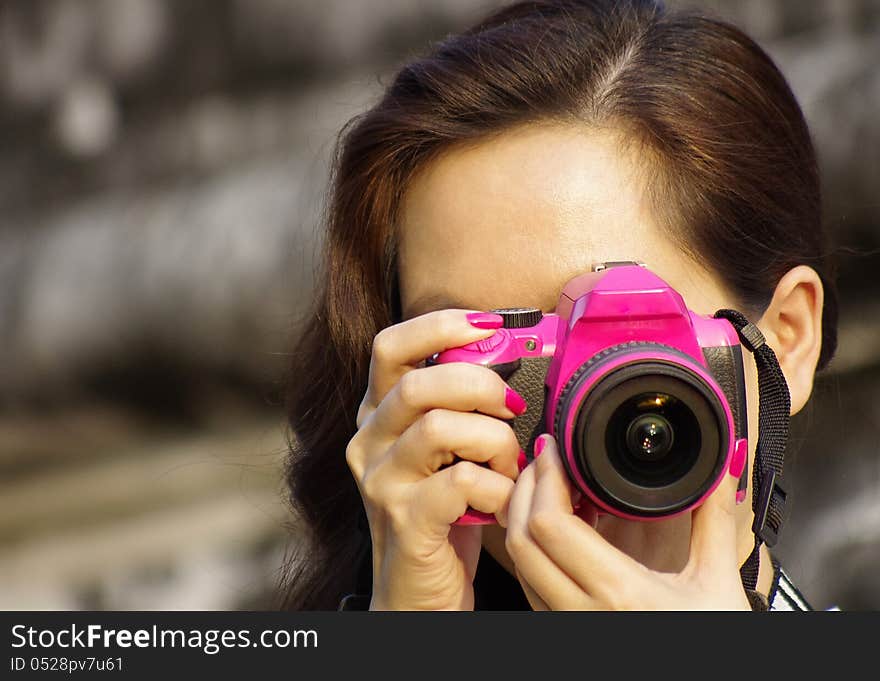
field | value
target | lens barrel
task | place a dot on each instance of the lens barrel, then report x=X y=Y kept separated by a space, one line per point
x=649 y=437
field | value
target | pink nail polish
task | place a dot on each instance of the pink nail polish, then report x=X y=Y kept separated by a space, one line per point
x=514 y=401
x=540 y=443
x=740 y=457
x=522 y=461
x=485 y=320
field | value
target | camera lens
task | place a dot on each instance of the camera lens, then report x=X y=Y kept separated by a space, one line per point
x=641 y=438
x=649 y=437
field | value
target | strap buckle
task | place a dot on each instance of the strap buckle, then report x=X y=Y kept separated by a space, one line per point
x=771 y=493
x=750 y=336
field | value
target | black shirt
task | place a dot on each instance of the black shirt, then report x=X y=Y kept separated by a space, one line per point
x=496 y=589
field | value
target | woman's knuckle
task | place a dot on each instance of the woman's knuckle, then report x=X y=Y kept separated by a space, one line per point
x=487 y=384
x=378 y=491
x=464 y=474
x=515 y=542
x=409 y=388
x=543 y=524
x=433 y=426
x=448 y=324
x=507 y=440
x=382 y=344
x=354 y=456
x=363 y=413
x=369 y=488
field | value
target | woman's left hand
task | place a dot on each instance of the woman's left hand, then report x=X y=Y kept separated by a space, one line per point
x=565 y=564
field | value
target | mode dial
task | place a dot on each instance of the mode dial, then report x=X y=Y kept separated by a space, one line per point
x=520 y=317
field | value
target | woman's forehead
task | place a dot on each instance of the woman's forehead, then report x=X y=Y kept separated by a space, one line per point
x=507 y=221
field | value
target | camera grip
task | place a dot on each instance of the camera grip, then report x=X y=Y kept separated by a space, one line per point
x=527 y=376
x=726 y=364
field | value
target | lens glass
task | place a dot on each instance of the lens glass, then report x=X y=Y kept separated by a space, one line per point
x=649 y=437
x=653 y=438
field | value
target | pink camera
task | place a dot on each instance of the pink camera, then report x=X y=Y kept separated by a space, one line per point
x=645 y=398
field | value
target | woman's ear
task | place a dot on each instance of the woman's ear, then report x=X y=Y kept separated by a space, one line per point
x=792 y=325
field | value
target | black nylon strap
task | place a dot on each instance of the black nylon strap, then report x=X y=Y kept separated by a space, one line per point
x=774 y=407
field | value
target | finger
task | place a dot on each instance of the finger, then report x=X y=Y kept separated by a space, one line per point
x=714 y=530
x=532 y=597
x=440 y=435
x=402 y=347
x=554 y=588
x=458 y=386
x=553 y=489
x=442 y=498
x=574 y=495
x=597 y=567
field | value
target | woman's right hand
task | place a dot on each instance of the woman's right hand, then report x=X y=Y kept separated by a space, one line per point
x=413 y=421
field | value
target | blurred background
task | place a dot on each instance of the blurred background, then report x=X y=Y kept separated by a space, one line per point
x=162 y=166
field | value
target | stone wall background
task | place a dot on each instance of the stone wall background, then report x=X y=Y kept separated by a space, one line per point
x=161 y=172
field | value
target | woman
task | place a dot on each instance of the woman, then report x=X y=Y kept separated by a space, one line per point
x=551 y=136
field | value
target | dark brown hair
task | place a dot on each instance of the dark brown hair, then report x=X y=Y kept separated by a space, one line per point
x=730 y=169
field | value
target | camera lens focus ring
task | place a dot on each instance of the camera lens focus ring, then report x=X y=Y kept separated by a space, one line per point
x=636 y=494
x=606 y=354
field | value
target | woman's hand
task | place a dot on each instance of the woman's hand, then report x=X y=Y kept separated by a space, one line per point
x=563 y=563
x=413 y=421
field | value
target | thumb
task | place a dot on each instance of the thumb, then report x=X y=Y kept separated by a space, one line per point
x=713 y=529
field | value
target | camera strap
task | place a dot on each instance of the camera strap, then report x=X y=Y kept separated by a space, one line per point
x=774 y=409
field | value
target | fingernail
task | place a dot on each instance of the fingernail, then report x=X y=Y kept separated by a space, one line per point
x=485 y=320
x=522 y=461
x=514 y=401
x=540 y=443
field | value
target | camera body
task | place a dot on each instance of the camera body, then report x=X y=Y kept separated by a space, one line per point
x=645 y=398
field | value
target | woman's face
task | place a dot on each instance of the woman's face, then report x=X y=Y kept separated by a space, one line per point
x=506 y=222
